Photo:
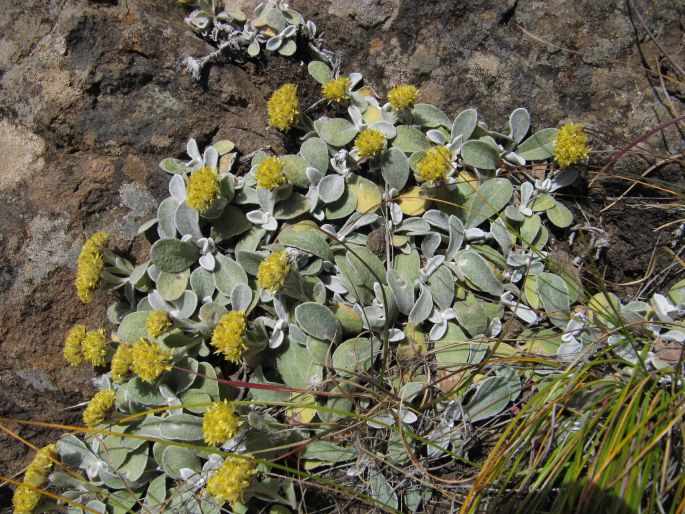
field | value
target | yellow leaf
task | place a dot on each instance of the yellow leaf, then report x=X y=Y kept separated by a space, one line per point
x=368 y=194
x=413 y=201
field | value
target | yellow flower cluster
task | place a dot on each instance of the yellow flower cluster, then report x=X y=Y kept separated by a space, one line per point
x=95 y=347
x=219 y=423
x=229 y=335
x=99 y=408
x=571 y=145
x=157 y=323
x=80 y=345
x=336 y=90
x=369 y=143
x=269 y=174
x=73 y=351
x=121 y=361
x=403 y=97
x=273 y=271
x=203 y=189
x=283 y=107
x=25 y=500
x=435 y=165
x=231 y=479
x=90 y=264
x=149 y=360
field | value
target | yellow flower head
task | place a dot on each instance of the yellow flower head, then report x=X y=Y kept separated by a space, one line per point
x=336 y=90
x=283 y=107
x=121 y=361
x=95 y=347
x=403 y=97
x=157 y=323
x=435 y=165
x=571 y=145
x=369 y=143
x=73 y=352
x=149 y=360
x=229 y=335
x=231 y=479
x=219 y=423
x=203 y=189
x=25 y=500
x=90 y=264
x=273 y=271
x=269 y=174
x=99 y=408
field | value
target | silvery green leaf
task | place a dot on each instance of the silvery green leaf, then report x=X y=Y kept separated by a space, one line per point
x=394 y=168
x=327 y=452
x=513 y=213
x=331 y=188
x=423 y=306
x=274 y=43
x=502 y=235
x=185 y=306
x=413 y=226
x=475 y=268
x=315 y=152
x=560 y=215
x=490 y=399
x=211 y=157
x=294 y=206
x=430 y=244
x=156 y=493
x=563 y=178
x=228 y=274
x=147 y=226
x=173 y=166
x=294 y=167
x=175 y=458
x=241 y=297
x=441 y=285
x=430 y=116
x=193 y=151
x=553 y=292
x=337 y=131
x=410 y=139
x=177 y=188
x=385 y=127
x=309 y=241
x=530 y=229
x=187 y=220
x=437 y=219
x=171 y=285
x=288 y=49
x=472 y=317
x=156 y=302
x=381 y=490
x=207 y=261
x=480 y=155
x=298 y=368
x=367 y=266
x=231 y=223
x=74 y=453
x=132 y=327
x=173 y=256
x=539 y=146
x=490 y=198
x=319 y=71
x=210 y=313
x=253 y=49
x=318 y=321
x=181 y=427
x=456 y=233
x=519 y=121
x=166 y=213
x=408 y=267
x=464 y=124
x=355 y=356
x=435 y=136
